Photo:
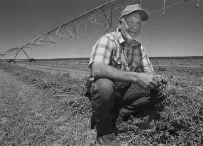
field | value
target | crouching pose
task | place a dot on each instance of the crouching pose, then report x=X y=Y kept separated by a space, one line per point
x=123 y=79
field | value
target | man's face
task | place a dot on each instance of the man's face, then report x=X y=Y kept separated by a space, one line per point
x=130 y=26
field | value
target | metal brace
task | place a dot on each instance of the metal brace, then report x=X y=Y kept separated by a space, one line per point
x=123 y=4
x=108 y=24
x=198 y=4
x=25 y=53
x=140 y=3
x=95 y=21
x=69 y=30
x=57 y=32
x=50 y=39
x=164 y=7
x=35 y=45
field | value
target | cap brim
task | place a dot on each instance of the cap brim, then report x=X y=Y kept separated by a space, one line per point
x=143 y=14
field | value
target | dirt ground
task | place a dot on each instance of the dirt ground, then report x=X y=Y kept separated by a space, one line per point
x=39 y=107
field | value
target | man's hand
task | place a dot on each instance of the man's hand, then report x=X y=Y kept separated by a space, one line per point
x=149 y=80
x=160 y=80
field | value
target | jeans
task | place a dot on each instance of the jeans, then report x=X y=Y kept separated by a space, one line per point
x=112 y=99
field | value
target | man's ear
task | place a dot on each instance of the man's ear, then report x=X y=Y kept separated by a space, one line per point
x=120 y=23
x=121 y=20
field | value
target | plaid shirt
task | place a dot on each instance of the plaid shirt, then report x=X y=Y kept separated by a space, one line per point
x=113 y=50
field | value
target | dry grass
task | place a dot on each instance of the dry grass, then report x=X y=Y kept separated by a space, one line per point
x=39 y=108
x=33 y=112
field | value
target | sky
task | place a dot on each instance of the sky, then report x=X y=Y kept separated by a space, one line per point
x=177 y=33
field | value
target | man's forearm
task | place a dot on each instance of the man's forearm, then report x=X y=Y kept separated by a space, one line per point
x=101 y=70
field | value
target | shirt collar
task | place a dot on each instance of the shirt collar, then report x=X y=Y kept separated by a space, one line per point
x=120 y=37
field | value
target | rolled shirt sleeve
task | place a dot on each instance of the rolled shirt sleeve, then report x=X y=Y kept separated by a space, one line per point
x=101 y=51
x=146 y=64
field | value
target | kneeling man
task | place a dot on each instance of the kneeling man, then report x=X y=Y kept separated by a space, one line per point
x=123 y=79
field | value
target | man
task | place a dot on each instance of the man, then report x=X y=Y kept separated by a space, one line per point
x=124 y=82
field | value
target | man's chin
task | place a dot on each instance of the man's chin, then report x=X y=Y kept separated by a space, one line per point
x=131 y=38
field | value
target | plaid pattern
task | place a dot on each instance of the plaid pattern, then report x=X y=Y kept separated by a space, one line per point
x=113 y=50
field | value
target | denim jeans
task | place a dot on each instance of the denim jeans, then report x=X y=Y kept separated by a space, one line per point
x=112 y=99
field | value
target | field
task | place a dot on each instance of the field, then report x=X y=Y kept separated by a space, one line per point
x=43 y=103
x=81 y=63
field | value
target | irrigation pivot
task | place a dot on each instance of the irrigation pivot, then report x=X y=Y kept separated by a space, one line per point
x=71 y=28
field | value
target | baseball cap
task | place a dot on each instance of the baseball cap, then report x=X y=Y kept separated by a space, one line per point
x=134 y=8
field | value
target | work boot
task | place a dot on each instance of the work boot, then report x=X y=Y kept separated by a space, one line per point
x=109 y=140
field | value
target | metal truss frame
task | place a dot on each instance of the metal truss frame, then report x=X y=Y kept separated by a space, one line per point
x=70 y=28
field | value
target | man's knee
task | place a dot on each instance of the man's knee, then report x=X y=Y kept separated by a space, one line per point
x=104 y=88
x=133 y=93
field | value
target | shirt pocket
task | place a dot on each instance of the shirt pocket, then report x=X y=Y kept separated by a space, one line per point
x=136 y=67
